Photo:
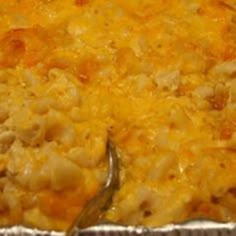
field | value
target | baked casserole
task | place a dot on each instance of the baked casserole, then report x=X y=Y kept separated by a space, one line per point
x=158 y=75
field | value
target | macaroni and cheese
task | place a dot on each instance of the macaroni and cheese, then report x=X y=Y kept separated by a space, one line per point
x=158 y=75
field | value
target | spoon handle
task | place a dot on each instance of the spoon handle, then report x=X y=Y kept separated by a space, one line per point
x=95 y=209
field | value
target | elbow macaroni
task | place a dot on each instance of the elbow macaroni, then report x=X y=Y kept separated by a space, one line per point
x=159 y=76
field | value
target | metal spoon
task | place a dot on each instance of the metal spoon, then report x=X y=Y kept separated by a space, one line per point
x=94 y=211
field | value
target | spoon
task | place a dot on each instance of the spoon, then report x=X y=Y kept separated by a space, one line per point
x=92 y=214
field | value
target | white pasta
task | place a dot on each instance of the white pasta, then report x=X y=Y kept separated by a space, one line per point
x=6 y=140
x=224 y=68
x=61 y=172
x=33 y=135
x=168 y=79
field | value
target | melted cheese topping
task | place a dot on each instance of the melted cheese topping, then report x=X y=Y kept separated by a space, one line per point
x=158 y=75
